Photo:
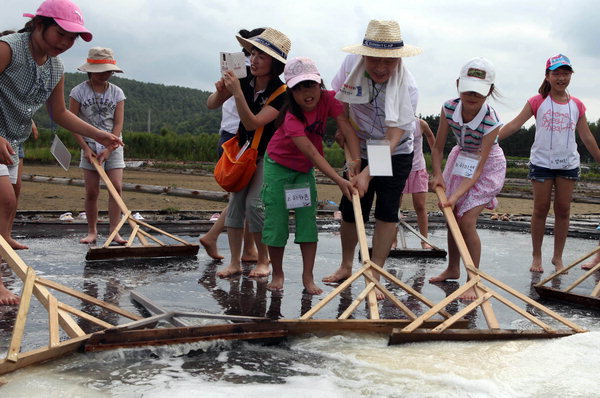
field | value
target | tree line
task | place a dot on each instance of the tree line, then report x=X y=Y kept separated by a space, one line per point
x=179 y=115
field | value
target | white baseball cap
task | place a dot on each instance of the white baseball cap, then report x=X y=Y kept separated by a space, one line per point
x=477 y=75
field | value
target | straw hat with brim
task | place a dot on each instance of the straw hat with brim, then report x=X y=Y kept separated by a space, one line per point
x=270 y=41
x=383 y=39
x=100 y=60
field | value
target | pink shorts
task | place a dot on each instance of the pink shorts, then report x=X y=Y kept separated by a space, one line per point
x=417 y=181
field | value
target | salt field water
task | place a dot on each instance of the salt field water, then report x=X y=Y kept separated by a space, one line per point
x=335 y=366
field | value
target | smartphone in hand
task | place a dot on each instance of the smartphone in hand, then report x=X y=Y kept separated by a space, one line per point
x=235 y=62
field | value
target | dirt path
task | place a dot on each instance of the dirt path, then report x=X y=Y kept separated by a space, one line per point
x=46 y=196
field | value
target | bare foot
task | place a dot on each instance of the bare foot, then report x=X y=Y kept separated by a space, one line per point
x=7 y=297
x=16 y=245
x=558 y=264
x=260 y=271
x=119 y=239
x=90 y=238
x=536 y=266
x=312 y=289
x=379 y=295
x=425 y=245
x=276 y=283
x=211 y=248
x=340 y=275
x=469 y=295
x=590 y=264
x=231 y=270
x=444 y=276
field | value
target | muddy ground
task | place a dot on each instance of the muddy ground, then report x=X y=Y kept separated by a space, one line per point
x=47 y=196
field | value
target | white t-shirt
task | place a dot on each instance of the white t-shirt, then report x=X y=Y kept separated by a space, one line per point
x=369 y=119
x=554 y=146
x=97 y=109
x=230 y=120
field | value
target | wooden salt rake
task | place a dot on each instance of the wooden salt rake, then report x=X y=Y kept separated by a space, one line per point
x=161 y=249
x=60 y=315
x=404 y=251
x=592 y=300
x=371 y=282
x=476 y=278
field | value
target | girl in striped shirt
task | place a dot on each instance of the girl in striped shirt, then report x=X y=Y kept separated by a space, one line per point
x=475 y=169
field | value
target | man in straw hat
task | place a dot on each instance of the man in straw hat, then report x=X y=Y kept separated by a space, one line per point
x=381 y=97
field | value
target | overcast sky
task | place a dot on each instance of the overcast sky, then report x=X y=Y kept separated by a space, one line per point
x=177 y=42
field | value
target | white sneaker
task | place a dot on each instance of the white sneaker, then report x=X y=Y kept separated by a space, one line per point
x=138 y=216
x=82 y=216
x=66 y=217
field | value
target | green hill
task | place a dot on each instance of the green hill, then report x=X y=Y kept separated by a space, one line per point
x=172 y=108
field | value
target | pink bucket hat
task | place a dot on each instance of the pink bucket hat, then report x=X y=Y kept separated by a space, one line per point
x=66 y=14
x=300 y=69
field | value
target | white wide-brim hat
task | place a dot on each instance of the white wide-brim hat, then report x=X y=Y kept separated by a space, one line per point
x=383 y=39
x=100 y=60
x=270 y=41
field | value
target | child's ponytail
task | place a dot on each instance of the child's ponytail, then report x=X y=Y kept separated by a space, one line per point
x=544 y=89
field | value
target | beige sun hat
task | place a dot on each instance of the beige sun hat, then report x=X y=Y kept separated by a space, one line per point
x=271 y=41
x=100 y=60
x=383 y=39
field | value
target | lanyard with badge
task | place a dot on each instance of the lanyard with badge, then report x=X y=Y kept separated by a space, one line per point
x=466 y=162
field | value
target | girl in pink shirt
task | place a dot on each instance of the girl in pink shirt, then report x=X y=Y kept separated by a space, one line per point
x=554 y=160
x=289 y=180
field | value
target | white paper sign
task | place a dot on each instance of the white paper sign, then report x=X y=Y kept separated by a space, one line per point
x=61 y=153
x=465 y=165
x=297 y=197
x=380 y=158
x=235 y=62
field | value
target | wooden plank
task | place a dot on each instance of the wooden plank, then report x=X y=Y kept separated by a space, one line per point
x=361 y=296
x=19 y=327
x=438 y=307
x=402 y=237
x=84 y=315
x=418 y=234
x=568 y=267
x=43 y=354
x=152 y=227
x=115 y=231
x=341 y=287
x=419 y=335
x=532 y=302
x=340 y=326
x=86 y=297
x=399 y=304
x=464 y=312
x=101 y=253
x=580 y=299
x=486 y=307
x=583 y=277
x=53 y=330
x=407 y=288
x=178 y=335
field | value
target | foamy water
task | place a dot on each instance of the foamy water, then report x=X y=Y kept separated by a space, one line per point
x=338 y=366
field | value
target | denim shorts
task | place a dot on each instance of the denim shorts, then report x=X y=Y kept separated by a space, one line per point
x=541 y=174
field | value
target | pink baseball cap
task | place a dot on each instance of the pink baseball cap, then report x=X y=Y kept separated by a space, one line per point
x=299 y=69
x=66 y=14
x=557 y=61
